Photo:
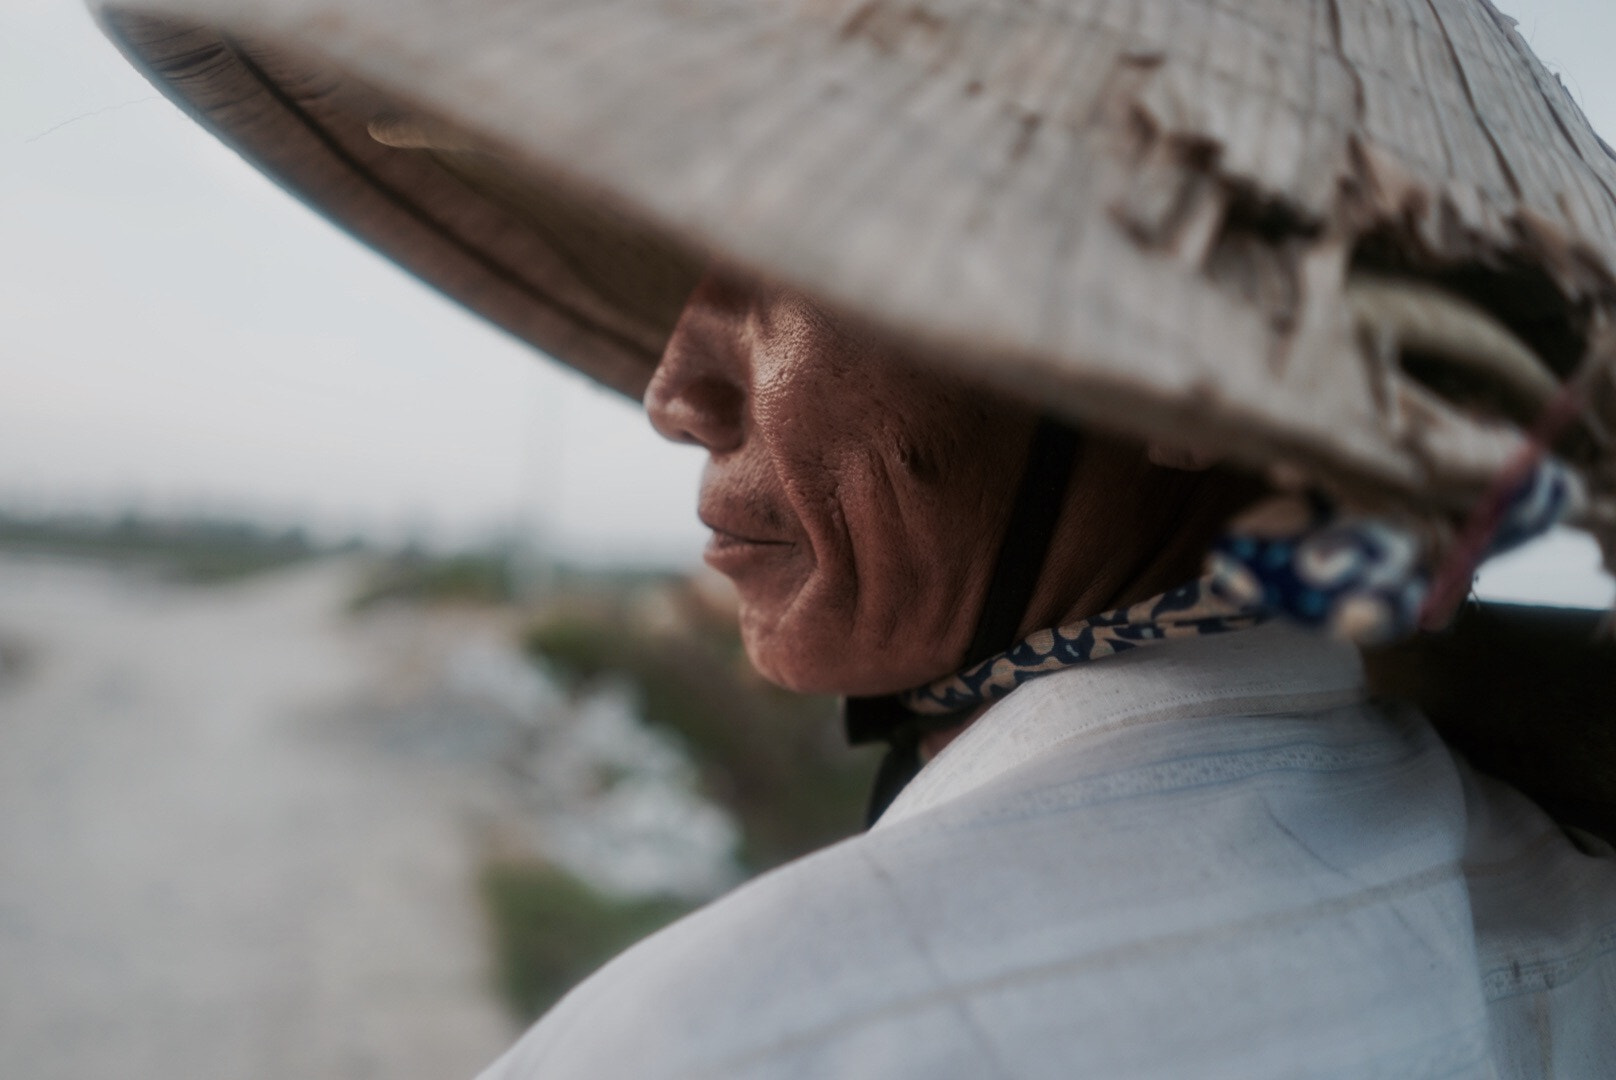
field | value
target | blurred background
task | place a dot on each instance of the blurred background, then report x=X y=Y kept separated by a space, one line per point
x=360 y=684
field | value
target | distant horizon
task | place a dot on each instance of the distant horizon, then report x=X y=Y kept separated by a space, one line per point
x=1559 y=570
x=437 y=540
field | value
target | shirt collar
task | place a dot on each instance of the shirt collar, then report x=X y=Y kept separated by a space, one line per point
x=1269 y=669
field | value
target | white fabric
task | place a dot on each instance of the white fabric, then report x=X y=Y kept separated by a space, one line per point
x=1213 y=858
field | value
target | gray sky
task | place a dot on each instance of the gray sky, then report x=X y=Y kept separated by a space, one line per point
x=176 y=333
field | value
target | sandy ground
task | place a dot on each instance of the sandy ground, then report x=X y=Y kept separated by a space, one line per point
x=204 y=870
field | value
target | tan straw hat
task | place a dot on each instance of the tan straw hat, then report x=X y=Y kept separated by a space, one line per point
x=1364 y=244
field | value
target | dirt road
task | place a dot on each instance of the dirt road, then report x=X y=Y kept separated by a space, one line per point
x=201 y=876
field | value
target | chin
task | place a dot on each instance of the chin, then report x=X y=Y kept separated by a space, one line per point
x=782 y=665
x=789 y=660
x=833 y=665
x=812 y=641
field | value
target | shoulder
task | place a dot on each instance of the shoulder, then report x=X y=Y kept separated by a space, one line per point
x=1137 y=906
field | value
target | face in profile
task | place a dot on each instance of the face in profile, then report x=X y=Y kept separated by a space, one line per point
x=854 y=499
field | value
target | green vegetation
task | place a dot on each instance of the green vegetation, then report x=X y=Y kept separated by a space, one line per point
x=774 y=759
x=414 y=577
x=488 y=576
x=550 y=930
x=190 y=549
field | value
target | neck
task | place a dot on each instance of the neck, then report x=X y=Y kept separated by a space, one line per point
x=1109 y=553
x=1153 y=538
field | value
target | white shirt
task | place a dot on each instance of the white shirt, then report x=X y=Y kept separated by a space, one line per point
x=1210 y=858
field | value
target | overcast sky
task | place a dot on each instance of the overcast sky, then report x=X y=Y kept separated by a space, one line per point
x=178 y=334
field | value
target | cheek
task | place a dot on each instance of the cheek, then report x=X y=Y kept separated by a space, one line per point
x=807 y=630
x=888 y=599
x=894 y=482
x=797 y=646
x=780 y=665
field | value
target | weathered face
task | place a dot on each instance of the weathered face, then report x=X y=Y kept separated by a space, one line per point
x=855 y=500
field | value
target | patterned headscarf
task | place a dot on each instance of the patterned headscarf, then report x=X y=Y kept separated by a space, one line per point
x=1363 y=579
x=1191 y=610
x=1369 y=580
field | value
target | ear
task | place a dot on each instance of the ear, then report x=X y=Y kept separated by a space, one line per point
x=1178 y=457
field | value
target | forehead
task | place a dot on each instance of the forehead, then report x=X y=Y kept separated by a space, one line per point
x=773 y=326
x=789 y=345
x=767 y=309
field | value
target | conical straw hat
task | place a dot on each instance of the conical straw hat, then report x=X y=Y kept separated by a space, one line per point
x=1358 y=243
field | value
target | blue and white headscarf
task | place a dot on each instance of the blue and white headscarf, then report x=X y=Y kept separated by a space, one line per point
x=1365 y=579
x=1191 y=610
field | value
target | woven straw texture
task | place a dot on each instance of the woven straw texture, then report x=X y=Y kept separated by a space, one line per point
x=1147 y=214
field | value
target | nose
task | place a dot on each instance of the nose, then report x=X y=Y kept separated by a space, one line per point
x=698 y=394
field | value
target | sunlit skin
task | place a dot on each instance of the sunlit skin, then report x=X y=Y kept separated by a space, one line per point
x=857 y=500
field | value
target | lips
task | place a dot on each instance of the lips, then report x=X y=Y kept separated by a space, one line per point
x=736 y=509
x=736 y=557
x=733 y=534
x=740 y=540
x=728 y=532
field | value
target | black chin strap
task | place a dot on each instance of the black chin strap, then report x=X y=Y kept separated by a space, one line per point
x=1022 y=554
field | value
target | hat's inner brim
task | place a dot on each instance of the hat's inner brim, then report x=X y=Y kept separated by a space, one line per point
x=546 y=257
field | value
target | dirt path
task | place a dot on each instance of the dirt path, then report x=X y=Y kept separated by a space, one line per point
x=196 y=878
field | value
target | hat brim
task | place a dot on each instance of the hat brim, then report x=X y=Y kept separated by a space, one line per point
x=1111 y=218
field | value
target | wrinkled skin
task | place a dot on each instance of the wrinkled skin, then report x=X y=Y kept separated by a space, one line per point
x=858 y=500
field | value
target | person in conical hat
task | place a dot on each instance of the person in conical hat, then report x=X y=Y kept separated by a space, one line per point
x=1080 y=381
